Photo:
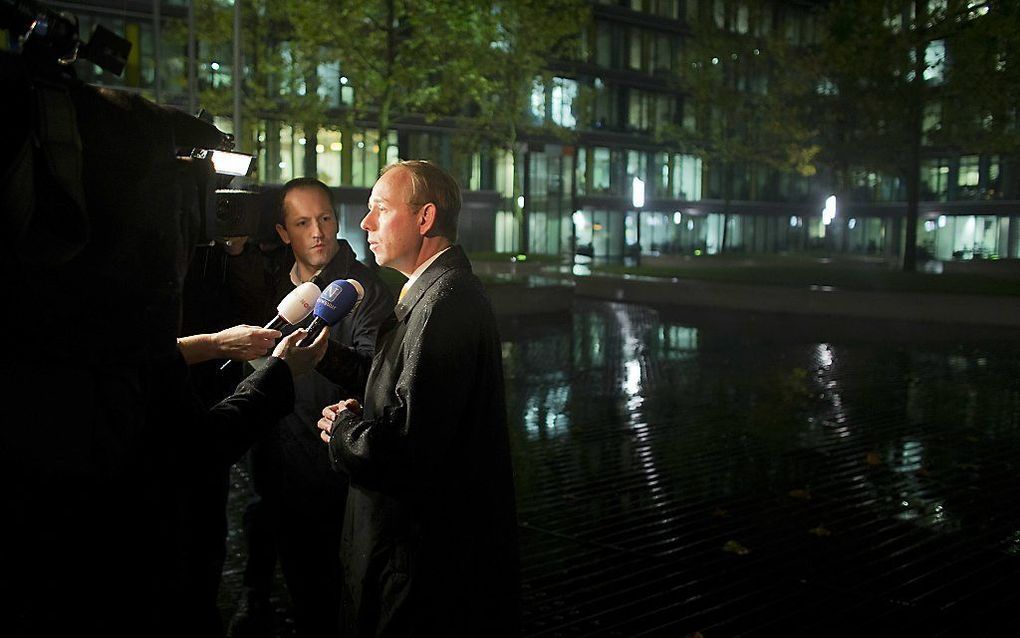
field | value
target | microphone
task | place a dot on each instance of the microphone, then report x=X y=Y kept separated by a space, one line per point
x=295 y=306
x=292 y=309
x=336 y=302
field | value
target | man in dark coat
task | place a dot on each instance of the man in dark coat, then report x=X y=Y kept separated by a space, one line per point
x=429 y=544
x=300 y=499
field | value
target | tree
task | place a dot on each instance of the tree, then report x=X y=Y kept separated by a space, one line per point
x=745 y=91
x=523 y=37
x=279 y=69
x=980 y=103
x=409 y=58
x=888 y=69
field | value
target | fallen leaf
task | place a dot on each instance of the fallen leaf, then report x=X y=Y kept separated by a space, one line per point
x=819 y=531
x=801 y=494
x=872 y=458
x=734 y=547
x=720 y=513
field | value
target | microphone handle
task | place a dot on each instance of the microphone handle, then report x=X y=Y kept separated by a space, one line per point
x=275 y=324
x=313 y=331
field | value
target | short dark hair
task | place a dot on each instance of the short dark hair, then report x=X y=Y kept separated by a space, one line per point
x=301 y=182
x=432 y=185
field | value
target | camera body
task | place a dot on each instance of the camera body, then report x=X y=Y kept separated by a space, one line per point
x=238 y=213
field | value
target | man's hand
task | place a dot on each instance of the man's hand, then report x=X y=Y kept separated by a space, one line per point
x=331 y=412
x=301 y=360
x=241 y=343
x=244 y=343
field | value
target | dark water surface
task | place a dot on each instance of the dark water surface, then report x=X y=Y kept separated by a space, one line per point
x=730 y=473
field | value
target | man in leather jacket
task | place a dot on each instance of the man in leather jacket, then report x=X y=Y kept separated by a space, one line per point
x=300 y=498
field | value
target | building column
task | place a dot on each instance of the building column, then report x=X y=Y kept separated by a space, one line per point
x=1013 y=238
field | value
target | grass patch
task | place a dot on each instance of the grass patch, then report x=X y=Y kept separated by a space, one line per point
x=840 y=276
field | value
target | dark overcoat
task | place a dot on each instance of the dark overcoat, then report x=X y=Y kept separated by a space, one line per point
x=430 y=545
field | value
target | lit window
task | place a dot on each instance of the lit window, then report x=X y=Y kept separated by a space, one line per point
x=538 y=100
x=935 y=62
x=564 y=92
x=977 y=8
x=826 y=87
x=743 y=17
x=600 y=174
x=969 y=173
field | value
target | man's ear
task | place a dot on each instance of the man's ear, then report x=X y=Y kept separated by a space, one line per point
x=428 y=220
x=284 y=235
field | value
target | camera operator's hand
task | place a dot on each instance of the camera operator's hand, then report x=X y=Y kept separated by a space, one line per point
x=301 y=360
x=242 y=343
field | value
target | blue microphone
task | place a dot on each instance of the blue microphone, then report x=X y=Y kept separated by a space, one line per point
x=336 y=302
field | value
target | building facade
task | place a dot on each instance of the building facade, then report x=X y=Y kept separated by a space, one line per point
x=606 y=188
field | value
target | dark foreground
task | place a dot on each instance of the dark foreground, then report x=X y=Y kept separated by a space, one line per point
x=736 y=474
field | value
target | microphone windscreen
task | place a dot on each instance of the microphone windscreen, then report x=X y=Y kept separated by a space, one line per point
x=299 y=303
x=359 y=289
x=338 y=299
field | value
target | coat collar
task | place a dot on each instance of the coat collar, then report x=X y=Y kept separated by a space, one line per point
x=452 y=259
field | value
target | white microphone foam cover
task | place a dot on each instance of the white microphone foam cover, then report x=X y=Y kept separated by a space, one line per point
x=358 y=288
x=299 y=303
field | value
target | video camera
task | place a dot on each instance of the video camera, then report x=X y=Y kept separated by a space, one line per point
x=237 y=211
x=103 y=187
x=50 y=43
x=52 y=36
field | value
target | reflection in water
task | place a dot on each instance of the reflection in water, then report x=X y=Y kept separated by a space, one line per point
x=671 y=467
x=827 y=375
x=678 y=342
x=660 y=408
x=634 y=361
x=545 y=414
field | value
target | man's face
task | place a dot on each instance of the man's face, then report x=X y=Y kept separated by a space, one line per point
x=310 y=227
x=393 y=225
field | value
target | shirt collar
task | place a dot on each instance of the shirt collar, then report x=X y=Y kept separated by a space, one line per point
x=294 y=279
x=422 y=268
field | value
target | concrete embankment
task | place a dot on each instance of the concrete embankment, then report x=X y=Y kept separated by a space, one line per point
x=815 y=300
x=558 y=289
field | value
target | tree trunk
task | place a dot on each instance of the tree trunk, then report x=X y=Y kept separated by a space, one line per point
x=727 y=189
x=916 y=123
x=310 y=165
x=526 y=190
x=387 y=100
x=311 y=130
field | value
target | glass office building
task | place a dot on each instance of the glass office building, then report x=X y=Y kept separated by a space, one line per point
x=613 y=191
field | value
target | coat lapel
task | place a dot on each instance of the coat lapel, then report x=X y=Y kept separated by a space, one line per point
x=454 y=258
